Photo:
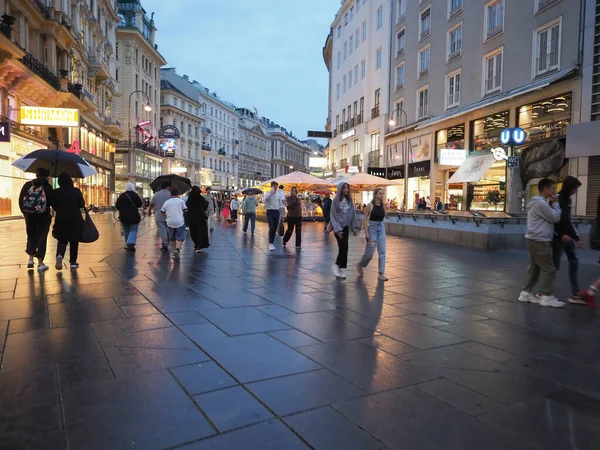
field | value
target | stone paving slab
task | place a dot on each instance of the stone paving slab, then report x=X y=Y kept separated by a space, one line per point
x=242 y=348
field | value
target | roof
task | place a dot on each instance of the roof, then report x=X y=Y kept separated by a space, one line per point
x=534 y=85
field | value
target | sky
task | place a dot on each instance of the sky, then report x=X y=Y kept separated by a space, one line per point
x=264 y=54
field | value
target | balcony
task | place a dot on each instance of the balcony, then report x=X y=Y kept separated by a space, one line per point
x=457 y=10
x=335 y=132
x=456 y=53
x=112 y=125
x=351 y=123
x=235 y=142
x=495 y=31
x=346 y=125
x=399 y=86
x=41 y=70
x=374 y=158
x=359 y=118
x=222 y=153
x=426 y=32
x=75 y=89
x=235 y=156
x=424 y=72
x=98 y=67
x=343 y=162
x=206 y=131
x=205 y=147
x=375 y=112
x=356 y=160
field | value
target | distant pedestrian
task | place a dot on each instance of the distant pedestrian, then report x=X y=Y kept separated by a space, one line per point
x=174 y=210
x=235 y=207
x=374 y=234
x=273 y=204
x=343 y=220
x=326 y=211
x=428 y=203
x=68 y=222
x=157 y=201
x=294 y=218
x=439 y=206
x=128 y=205
x=212 y=207
x=197 y=206
x=543 y=212
x=249 y=206
x=35 y=201
x=185 y=197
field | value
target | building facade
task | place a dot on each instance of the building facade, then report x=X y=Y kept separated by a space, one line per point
x=138 y=158
x=288 y=154
x=59 y=55
x=254 y=149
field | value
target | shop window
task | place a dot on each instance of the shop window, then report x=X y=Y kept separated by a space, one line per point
x=546 y=119
x=486 y=131
x=453 y=137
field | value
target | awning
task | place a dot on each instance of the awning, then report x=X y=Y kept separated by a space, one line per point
x=473 y=169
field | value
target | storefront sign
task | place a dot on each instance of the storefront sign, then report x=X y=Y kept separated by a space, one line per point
x=420 y=169
x=4 y=132
x=353 y=169
x=168 y=132
x=178 y=169
x=317 y=174
x=380 y=172
x=395 y=173
x=499 y=154
x=451 y=157
x=75 y=147
x=512 y=136
x=50 y=117
x=168 y=146
x=348 y=134
x=317 y=163
x=513 y=162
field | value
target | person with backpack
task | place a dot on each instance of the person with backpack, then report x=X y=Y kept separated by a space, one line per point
x=35 y=201
x=68 y=223
x=128 y=205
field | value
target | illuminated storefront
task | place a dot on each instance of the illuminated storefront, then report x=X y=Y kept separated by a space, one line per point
x=450 y=154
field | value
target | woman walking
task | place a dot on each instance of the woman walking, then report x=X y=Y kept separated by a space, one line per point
x=343 y=220
x=67 y=203
x=374 y=234
x=128 y=205
x=197 y=206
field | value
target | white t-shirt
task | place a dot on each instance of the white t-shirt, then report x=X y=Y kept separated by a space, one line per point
x=234 y=205
x=174 y=208
x=274 y=200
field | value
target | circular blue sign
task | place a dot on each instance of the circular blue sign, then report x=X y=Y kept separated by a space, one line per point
x=512 y=136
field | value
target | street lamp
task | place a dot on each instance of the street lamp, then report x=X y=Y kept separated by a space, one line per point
x=392 y=123
x=147 y=108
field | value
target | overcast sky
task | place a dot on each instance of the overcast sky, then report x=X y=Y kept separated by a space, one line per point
x=254 y=53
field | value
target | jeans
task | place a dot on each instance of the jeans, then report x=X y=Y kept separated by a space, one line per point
x=294 y=222
x=37 y=227
x=250 y=217
x=558 y=247
x=273 y=220
x=376 y=239
x=130 y=233
x=61 y=249
x=342 y=258
x=541 y=267
x=162 y=232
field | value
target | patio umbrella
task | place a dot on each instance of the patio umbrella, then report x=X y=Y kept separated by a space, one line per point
x=182 y=184
x=323 y=192
x=365 y=182
x=57 y=162
x=302 y=181
x=251 y=191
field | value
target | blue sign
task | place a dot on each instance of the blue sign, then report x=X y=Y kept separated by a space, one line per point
x=512 y=136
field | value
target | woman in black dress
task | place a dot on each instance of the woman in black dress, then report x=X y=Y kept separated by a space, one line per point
x=197 y=206
x=68 y=222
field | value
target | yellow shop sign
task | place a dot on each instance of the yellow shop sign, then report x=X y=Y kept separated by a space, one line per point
x=51 y=117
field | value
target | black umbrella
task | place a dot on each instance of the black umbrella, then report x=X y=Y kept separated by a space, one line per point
x=251 y=191
x=182 y=184
x=57 y=162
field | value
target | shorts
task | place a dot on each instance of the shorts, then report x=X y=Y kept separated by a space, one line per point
x=176 y=234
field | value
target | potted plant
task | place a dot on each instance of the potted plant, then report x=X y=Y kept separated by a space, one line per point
x=459 y=199
x=494 y=197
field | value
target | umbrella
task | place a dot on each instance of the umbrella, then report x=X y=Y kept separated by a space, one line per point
x=365 y=182
x=252 y=191
x=57 y=162
x=323 y=192
x=182 y=184
x=302 y=181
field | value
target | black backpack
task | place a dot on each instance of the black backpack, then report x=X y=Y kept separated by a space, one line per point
x=35 y=200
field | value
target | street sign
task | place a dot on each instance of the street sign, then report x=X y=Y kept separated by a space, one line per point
x=513 y=136
x=513 y=162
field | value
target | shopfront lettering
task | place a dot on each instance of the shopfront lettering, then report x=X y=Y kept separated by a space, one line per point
x=348 y=134
x=4 y=132
x=420 y=169
x=395 y=173
x=53 y=117
x=380 y=172
x=75 y=148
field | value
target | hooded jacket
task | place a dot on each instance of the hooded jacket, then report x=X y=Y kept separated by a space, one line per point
x=565 y=227
x=541 y=217
x=343 y=213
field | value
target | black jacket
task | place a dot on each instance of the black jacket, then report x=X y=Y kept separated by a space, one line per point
x=565 y=225
x=127 y=205
x=47 y=188
x=67 y=202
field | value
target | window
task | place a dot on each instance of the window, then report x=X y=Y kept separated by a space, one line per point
x=401 y=5
x=174 y=101
x=380 y=17
x=377 y=97
x=364 y=30
x=338 y=91
x=425 y=24
x=356 y=74
x=547 y=47
x=357 y=6
x=494 y=18
x=345 y=50
x=136 y=81
x=422 y=103
x=345 y=19
x=424 y=61
x=117 y=75
x=400 y=42
x=453 y=89
x=350 y=79
x=546 y=119
x=344 y=83
x=454 y=7
x=485 y=132
x=455 y=42
x=351 y=44
x=339 y=59
x=541 y=4
x=378 y=59
x=363 y=69
x=357 y=37
x=493 y=72
x=340 y=31
x=400 y=76
x=351 y=12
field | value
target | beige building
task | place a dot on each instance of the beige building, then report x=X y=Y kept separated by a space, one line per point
x=59 y=54
x=138 y=158
x=254 y=149
x=288 y=154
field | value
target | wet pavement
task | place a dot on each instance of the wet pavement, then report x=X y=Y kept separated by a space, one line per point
x=239 y=348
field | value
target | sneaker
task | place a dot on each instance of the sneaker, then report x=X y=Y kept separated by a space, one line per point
x=342 y=274
x=42 y=267
x=176 y=255
x=528 y=297
x=271 y=247
x=30 y=264
x=588 y=297
x=59 y=263
x=576 y=300
x=337 y=272
x=197 y=250
x=552 y=301
x=359 y=268
x=382 y=277
x=74 y=266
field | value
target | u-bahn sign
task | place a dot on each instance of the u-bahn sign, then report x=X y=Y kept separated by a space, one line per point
x=512 y=136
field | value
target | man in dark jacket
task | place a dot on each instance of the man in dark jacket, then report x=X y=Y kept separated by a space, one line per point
x=566 y=238
x=34 y=202
x=326 y=210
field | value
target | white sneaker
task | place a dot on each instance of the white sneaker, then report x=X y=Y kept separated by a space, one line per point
x=337 y=272
x=552 y=301
x=382 y=277
x=528 y=297
x=42 y=267
x=271 y=247
x=342 y=274
x=359 y=268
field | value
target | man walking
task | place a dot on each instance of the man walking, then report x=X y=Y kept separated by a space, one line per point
x=212 y=207
x=566 y=238
x=157 y=201
x=249 y=206
x=273 y=203
x=294 y=218
x=173 y=211
x=235 y=206
x=326 y=211
x=543 y=212
x=35 y=202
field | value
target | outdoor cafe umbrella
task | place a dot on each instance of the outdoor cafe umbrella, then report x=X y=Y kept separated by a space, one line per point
x=251 y=191
x=57 y=162
x=323 y=192
x=301 y=181
x=365 y=182
x=180 y=183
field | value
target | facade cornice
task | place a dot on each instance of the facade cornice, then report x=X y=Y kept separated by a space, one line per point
x=134 y=32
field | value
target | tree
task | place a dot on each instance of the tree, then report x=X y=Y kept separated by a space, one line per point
x=494 y=197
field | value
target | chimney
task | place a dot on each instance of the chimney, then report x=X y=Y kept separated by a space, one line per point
x=186 y=78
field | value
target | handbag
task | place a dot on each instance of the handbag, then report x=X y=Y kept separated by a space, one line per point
x=89 y=232
x=595 y=236
x=280 y=228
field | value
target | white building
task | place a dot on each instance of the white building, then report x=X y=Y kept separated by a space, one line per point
x=288 y=154
x=254 y=149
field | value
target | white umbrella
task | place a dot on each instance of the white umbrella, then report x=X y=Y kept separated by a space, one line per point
x=302 y=181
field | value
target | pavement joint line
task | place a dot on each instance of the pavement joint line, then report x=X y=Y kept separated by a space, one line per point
x=63 y=416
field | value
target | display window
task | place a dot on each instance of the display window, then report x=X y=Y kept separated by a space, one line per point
x=546 y=119
x=485 y=132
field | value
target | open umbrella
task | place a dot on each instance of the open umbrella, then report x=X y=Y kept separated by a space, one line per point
x=302 y=181
x=323 y=192
x=251 y=191
x=57 y=162
x=365 y=182
x=182 y=184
